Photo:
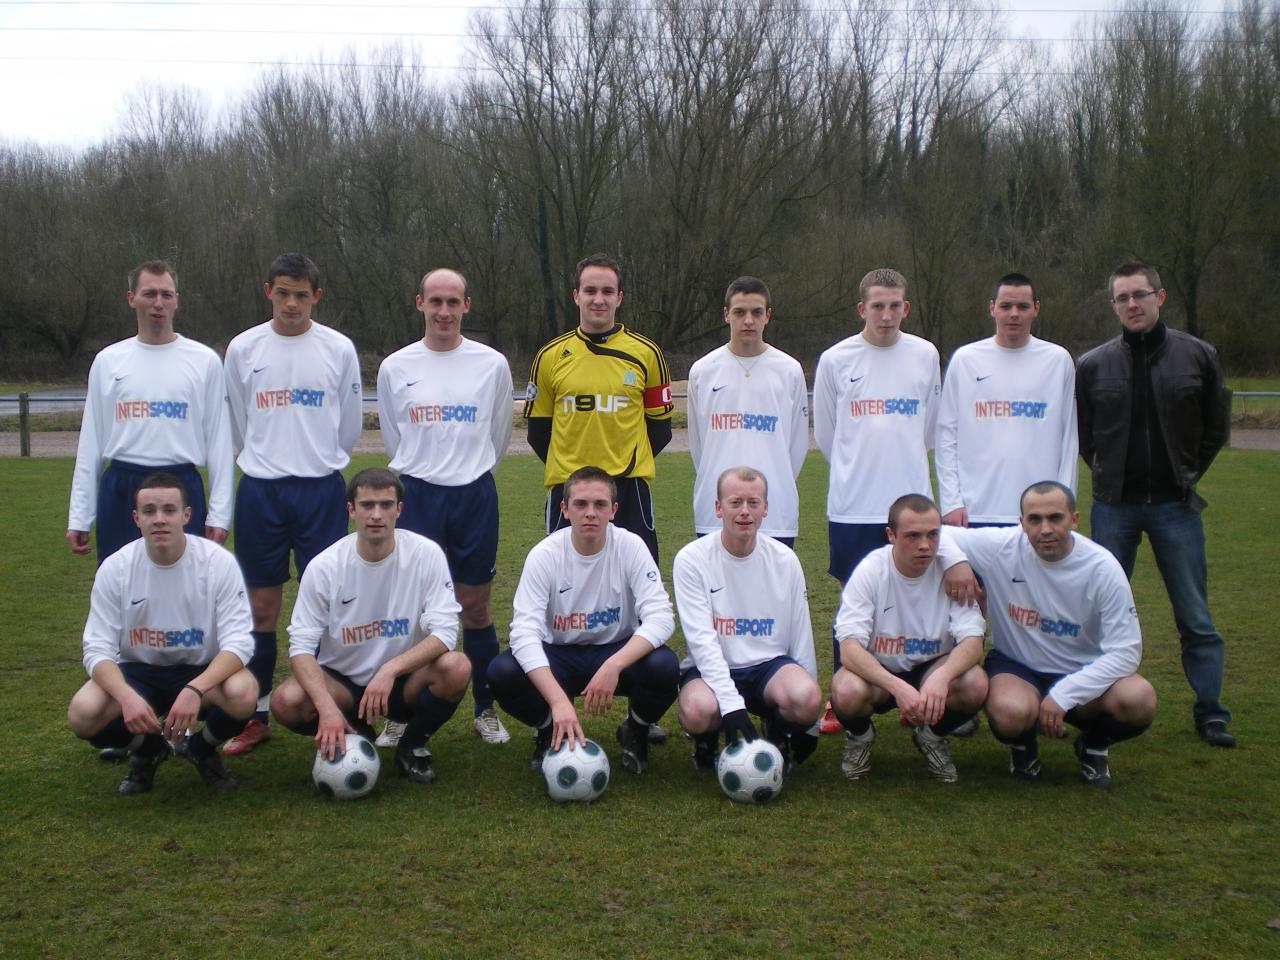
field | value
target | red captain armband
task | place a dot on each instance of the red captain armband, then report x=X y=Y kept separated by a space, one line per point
x=659 y=396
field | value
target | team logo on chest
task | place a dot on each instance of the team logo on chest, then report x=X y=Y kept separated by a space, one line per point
x=629 y=378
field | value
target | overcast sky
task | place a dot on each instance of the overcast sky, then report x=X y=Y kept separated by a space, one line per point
x=67 y=67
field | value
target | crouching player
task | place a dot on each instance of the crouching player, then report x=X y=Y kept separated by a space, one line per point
x=591 y=619
x=373 y=633
x=744 y=610
x=904 y=644
x=1065 y=639
x=166 y=643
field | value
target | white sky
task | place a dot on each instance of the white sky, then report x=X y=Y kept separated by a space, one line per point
x=66 y=67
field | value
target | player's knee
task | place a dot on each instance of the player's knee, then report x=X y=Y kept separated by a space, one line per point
x=240 y=694
x=1137 y=702
x=659 y=669
x=505 y=674
x=1010 y=716
x=697 y=715
x=291 y=705
x=452 y=674
x=850 y=694
x=969 y=690
x=802 y=701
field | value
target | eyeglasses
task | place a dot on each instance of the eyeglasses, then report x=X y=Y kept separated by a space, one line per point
x=1138 y=295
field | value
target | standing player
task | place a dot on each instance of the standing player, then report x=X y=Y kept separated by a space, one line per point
x=1007 y=416
x=591 y=620
x=1154 y=412
x=166 y=643
x=904 y=644
x=155 y=402
x=373 y=633
x=601 y=394
x=875 y=403
x=744 y=610
x=748 y=404
x=1065 y=639
x=444 y=407
x=294 y=392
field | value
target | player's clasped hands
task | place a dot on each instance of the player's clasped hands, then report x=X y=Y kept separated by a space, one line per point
x=182 y=715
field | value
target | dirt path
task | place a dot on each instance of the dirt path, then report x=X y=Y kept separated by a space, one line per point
x=63 y=444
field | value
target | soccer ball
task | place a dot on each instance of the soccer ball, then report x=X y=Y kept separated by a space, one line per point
x=750 y=772
x=350 y=776
x=579 y=774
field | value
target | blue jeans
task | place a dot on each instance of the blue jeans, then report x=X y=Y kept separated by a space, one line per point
x=1177 y=540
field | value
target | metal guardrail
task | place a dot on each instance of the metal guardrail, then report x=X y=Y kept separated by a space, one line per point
x=23 y=401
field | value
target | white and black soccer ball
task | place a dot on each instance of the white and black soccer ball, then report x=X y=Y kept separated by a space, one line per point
x=750 y=772
x=579 y=774
x=350 y=776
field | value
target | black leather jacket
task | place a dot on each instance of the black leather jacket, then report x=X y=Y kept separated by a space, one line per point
x=1191 y=401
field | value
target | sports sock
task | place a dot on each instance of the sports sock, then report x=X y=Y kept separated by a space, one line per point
x=263 y=667
x=1027 y=738
x=858 y=726
x=950 y=720
x=219 y=727
x=429 y=715
x=1107 y=730
x=480 y=644
x=152 y=743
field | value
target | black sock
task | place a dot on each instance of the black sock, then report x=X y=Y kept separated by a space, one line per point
x=858 y=726
x=219 y=727
x=480 y=644
x=950 y=720
x=114 y=734
x=1027 y=738
x=1106 y=730
x=263 y=666
x=151 y=744
x=429 y=714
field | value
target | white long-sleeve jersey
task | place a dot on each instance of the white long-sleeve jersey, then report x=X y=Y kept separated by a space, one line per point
x=565 y=598
x=902 y=621
x=446 y=415
x=353 y=616
x=296 y=402
x=741 y=611
x=183 y=613
x=874 y=410
x=751 y=412
x=1074 y=617
x=154 y=406
x=1007 y=420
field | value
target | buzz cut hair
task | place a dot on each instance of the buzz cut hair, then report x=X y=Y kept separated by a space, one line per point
x=1048 y=486
x=156 y=267
x=590 y=474
x=915 y=502
x=295 y=266
x=374 y=478
x=598 y=260
x=160 y=480
x=422 y=284
x=746 y=475
x=1014 y=280
x=747 y=285
x=881 y=277
x=1134 y=268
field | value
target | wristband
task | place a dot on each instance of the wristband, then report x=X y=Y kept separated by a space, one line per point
x=196 y=690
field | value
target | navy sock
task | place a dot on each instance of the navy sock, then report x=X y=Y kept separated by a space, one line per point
x=151 y=744
x=114 y=734
x=263 y=666
x=855 y=725
x=950 y=720
x=1027 y=738
x=780 y=725
x=480 y=644
x=429 y=714
x=1107 y=730
x=219 y=727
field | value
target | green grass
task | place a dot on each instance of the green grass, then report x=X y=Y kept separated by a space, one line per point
x=1177 y=861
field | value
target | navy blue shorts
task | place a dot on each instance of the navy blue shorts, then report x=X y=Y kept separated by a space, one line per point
x=997 y=663
x=116 y=490
x=849 y=543
x=462 y=520
x=574 y=664
x=914 y=676
x=750 y=681
x=160 y=683
x=397 y=707
x=306 y=514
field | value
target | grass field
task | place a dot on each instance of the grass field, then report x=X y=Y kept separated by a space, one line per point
x=1178 y=860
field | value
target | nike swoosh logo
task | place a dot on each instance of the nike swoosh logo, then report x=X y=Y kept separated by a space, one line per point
x=345 y=602
x=412 y=382
x=566 y=589
x=856 y=379
x=980 y=379
x=716 y=589
x=134 y=603
x=260 y=369
x=118 y=379
x=1018 y=580
x=719 y=388
x=888 y=608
